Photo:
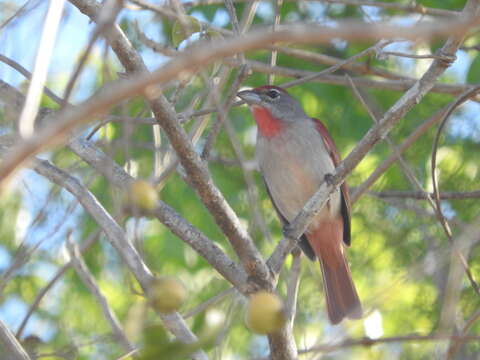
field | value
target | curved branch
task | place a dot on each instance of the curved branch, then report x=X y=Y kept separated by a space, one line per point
x=436 y=191
x=192 y=59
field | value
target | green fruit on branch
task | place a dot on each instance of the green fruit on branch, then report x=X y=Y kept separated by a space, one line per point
x=265 y=313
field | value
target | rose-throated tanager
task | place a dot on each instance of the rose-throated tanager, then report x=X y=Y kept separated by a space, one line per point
x=295 y=154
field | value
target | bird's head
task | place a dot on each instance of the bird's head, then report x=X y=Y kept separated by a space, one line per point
x=275 y=101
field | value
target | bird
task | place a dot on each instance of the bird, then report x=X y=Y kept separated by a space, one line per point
x=295 y=154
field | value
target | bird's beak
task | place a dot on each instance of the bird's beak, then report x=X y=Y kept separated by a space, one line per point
x=250 y=97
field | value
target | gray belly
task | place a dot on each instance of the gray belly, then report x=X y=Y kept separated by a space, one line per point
x=294 y=165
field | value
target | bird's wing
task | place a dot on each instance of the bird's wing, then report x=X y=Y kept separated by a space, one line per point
x=303 y=243
x=346 y=206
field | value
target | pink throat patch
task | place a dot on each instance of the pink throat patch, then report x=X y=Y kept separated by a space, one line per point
x=268 y=125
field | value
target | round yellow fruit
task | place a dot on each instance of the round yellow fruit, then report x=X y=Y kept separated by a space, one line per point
x=166 y=294
x=143 y=195
x=265 y=313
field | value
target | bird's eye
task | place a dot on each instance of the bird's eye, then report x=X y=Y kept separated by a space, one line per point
x=273 y=93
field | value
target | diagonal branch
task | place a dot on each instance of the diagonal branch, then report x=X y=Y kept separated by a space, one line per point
x=115 y=174
x=164 y=213
x=10 y=344
x=89 y=281
x=414 y=136
x=174 y=322
x=200 y=178
x=38 y=298
x=412 y=97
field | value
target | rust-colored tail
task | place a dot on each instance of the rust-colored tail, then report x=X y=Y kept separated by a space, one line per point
x=340 y=292
x=342 y=298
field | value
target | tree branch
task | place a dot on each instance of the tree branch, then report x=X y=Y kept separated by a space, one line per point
x=38 y=298
x=10 y=345
x=394 y=339
x=422 y=129
x=198 y=174
x=89 y=281
x=164 y=213
x=420 y=195
x=414 y=8
x=412 y=97
x=192 y=59
x=117 y=238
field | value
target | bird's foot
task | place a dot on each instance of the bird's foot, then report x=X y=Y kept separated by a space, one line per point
x=446 y=59
x=328 y=179
x=287 y=231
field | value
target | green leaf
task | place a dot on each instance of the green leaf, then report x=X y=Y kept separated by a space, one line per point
x=473 y=75
x=183 y=29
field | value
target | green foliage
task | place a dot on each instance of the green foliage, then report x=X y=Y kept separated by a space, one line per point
x=181 y=30
x=473 y=75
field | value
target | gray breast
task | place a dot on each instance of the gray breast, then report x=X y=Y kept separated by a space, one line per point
x=293 y=164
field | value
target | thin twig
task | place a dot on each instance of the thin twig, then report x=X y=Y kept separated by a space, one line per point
x=208 y=303
x=413 y=56
x=413 y=7
x=292 y=288
x=89 y=281
x=436 y=191
x=28 y=75
x=248 y=15
x=304 y=76
x=422 y=129
x=394 y=339
x=252 y=194
x=38 y=298
x=362 y=68
x=223 y=110
x=20 y=11
x=277 y=6
x=233 y=16
x=331 y=69
x=421 y=195
x=375 y=114
x=106 y=19
x=128 y=355
x=453 y=347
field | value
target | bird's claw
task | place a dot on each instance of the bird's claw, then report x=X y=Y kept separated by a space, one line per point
x=287 y=230
x=328 y=179
x=447 y=59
